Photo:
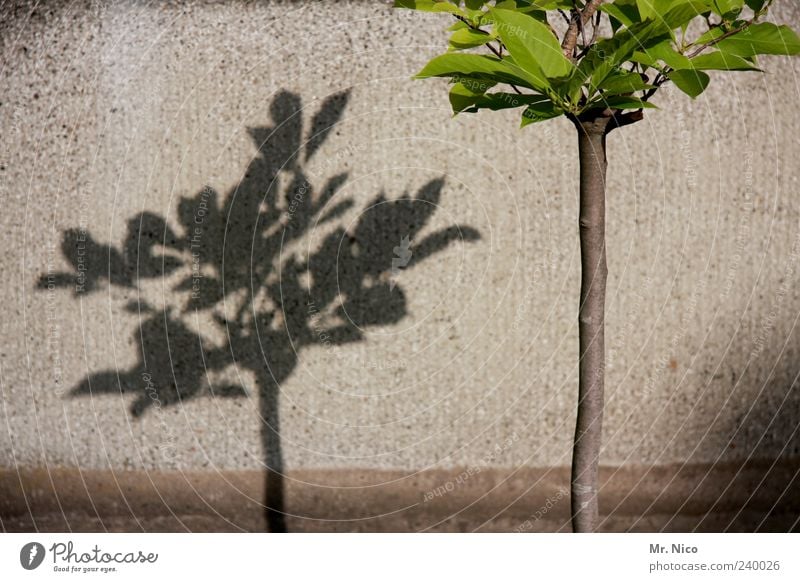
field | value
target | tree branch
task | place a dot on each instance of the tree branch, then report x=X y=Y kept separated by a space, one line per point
x=623 y=119
x=577 y=21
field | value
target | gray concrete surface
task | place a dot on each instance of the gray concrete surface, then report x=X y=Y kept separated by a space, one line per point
x=109 y=110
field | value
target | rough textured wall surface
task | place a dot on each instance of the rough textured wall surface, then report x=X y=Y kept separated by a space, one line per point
x=125 y=123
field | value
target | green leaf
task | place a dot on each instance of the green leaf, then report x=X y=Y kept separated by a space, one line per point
x=673 y=13
x=622 y=12
x=623 y=83
x=762 y=39
x=535 y=4
x=458 y=25
x=532 y=44
x=469 y=38
x=496 y=101
x=665 y=52
x=466 y=93
x=678 y=14
x=689 y=81
x=647 y=9
x=463 y=100
x=607 y=54
x=644 y=59
x=719 y=61
x=539 y=112
x=727 y=8
x=755 y=5
x=458 y=65
x=709 y=35
x=428 y=6
x=535 y=80
x=625 y=102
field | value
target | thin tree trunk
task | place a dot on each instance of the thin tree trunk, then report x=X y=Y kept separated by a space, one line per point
x=591 y=321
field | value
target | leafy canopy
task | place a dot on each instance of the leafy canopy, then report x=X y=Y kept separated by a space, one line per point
x=587 y=57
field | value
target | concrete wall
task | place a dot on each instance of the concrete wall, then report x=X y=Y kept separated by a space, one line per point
x=111 y=110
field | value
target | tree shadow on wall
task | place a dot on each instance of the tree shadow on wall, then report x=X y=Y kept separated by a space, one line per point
x=236 y=259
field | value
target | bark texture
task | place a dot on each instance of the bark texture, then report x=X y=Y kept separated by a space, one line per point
x=591 y=322
x=578 y=19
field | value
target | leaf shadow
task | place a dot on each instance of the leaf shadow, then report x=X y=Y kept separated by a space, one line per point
x=232 y=250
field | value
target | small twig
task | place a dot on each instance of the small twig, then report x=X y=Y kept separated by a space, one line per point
x=711 y=43
x=581 y=27
x=468 y=23
x=597 y=17
x=588 y=47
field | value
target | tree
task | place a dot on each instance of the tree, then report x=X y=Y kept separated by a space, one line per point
x=599 y=64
